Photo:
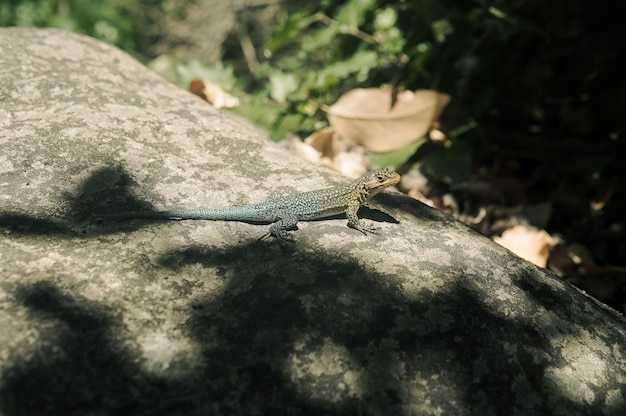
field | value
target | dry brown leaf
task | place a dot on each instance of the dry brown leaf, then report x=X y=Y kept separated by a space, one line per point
x=212 y=93
x=325 y=142
x=302 y=150
x=337 y=154
x=529 y=243
x=371 y=117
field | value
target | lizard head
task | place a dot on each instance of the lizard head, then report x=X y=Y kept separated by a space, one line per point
x=379 y=179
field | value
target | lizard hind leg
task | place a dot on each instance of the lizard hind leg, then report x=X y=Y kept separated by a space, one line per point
x=285 y=222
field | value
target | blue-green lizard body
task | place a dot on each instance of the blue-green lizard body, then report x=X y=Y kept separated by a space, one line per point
x=284 y=211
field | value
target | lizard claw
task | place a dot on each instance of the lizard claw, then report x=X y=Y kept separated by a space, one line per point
x=278 y=234
x=365 y=230
x=264 y=236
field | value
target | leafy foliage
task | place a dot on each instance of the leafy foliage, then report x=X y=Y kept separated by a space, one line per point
x=316 y=57
x=525 y=72
x=106 y=20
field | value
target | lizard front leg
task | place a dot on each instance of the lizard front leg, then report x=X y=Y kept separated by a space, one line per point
x=354 y=222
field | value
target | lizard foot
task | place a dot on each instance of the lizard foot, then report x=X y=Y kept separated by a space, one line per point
x=365 y=230
x=278 y=234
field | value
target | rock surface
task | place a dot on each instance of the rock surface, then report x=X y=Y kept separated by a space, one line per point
x=199 y=318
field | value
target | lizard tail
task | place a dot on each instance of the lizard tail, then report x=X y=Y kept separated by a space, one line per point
x=246 y=214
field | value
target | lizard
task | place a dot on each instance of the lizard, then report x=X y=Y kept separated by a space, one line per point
x=284 y=211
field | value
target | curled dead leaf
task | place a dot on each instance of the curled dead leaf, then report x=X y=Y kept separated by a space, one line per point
x=529 y=243
x=337 y=154
x=325 y=142
x=212 y=93
x=382 y=120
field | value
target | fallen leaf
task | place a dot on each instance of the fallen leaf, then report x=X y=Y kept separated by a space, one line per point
x=337 y=154
x=529 y=243
x=325 y=142
x=371 y=117
x=212 y=93
x=302 y=150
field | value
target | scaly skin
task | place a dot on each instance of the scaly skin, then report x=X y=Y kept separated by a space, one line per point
x=284 y=211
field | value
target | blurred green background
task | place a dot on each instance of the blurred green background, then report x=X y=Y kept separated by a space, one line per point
x=518 y=71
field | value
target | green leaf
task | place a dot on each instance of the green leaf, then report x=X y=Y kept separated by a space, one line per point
x=282 y=84
x=361 y=63
x=385 y=19
x=450 y=165
x=286 y=124
x=391 y=41
x=305 y=87
x=442 y=29
x=396 y=157
x=352 y=14
x=260 y=111
x=321 y=38
x=288 y=32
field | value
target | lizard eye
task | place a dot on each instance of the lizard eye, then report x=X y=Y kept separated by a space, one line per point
x=380 y=178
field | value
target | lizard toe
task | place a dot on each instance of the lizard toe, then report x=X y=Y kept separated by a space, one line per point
x=365 y=230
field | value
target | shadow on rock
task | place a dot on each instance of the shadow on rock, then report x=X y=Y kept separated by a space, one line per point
x=78 y=364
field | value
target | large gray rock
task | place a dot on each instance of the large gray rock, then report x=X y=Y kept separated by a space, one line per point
x=188 y=318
